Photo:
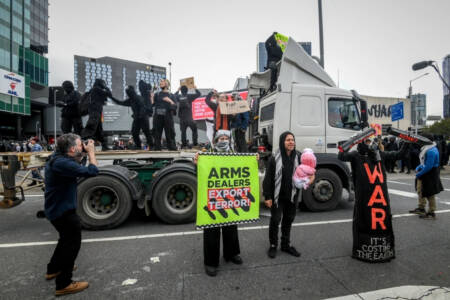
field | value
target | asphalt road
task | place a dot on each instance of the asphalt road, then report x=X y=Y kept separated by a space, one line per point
x=146 y=259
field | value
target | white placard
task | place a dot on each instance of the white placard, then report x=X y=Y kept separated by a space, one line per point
x=12 y=84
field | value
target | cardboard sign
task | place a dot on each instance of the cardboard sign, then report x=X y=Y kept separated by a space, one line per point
x=235 y=107
x=189 y=82
x=227 y=189
x=200 y=110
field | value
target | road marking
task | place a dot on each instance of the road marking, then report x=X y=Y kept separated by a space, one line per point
x=402 y=193
x=398 y=182
x=445 y=178
x=187 y=233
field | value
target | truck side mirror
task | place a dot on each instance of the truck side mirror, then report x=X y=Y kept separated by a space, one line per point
x=364 y=117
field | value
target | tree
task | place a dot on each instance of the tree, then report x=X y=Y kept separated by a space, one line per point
x=440 y=128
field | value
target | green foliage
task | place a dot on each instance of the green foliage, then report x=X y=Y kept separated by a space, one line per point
x=441 y=127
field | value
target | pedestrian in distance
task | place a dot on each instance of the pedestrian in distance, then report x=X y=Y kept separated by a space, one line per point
x=281 y=195
x=184 y=101
x=211 y=236
x=164 y=105
x=62 y=172
x=428 y=180
x=36 y=172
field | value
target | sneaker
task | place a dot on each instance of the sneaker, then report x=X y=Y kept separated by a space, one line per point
x=272 y=251
x=237 y=260
x=211 y=271
x=74 y=287
x=291 y=250
x=418 y=210
x=428 y=216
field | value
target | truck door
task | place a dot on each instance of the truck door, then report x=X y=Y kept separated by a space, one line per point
x=307 y=117
x=343 y=121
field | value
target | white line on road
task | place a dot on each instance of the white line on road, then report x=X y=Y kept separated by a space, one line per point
x=445 y=178
x=26 y=196
x=398 y=182
x=187 y=233
x=402 y=193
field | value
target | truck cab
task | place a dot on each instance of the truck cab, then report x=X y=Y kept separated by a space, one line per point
x=307 y=103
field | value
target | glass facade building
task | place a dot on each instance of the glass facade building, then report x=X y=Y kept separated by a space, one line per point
x=446 y=75
x=16 y=53
x=418 y=109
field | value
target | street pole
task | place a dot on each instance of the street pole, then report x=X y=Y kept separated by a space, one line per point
x=170 y=76
x=322 y=57
x=54 y=113
x=416 y=119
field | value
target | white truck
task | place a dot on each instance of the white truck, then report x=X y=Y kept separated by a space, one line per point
x=307 y=102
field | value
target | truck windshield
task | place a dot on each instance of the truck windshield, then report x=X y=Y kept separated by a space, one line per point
x=343 y=113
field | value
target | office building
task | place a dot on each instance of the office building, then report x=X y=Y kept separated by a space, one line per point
x=446 y=75
x=418 y=109
x=23 y=67
x=261 y=54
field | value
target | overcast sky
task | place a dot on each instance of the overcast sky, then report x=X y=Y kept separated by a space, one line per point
x=372 y=43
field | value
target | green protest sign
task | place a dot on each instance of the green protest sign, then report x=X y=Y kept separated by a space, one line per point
x=227 y=189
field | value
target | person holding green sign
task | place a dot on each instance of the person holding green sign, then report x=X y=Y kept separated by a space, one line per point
x=211 y=235
x=281 y=195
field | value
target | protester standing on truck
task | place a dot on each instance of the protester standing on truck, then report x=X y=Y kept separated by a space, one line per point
x=70 y=112
x=98 y=96
x=145 y=90
x=211 y=236
x=210 y=124
x=164 y=103
x=184 y=102
x=239 y=125
x=140 y=116
x=281 y=195
x=221 y=121
x=62 y=172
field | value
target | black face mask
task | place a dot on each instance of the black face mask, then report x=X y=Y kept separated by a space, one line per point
x=374 y=153
x=363 y=149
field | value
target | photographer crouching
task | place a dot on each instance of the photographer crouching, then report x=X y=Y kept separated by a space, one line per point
x=61 y=174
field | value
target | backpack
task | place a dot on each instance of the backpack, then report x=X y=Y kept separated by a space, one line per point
x=84 y=104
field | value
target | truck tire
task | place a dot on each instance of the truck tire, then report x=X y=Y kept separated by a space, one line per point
x=175 y=198
x=325 y=193
x=104 y=202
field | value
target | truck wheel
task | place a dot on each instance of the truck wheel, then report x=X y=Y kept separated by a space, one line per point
x=175 y=198
x=104 y=202
x=325 y=193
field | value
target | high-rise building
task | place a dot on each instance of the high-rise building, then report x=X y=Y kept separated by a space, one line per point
x=118 y=74
x=261 y=54
x=418 y=109
x=23 y=68
x=446 y=75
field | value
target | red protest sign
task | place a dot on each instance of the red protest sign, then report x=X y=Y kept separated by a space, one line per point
x=200 y=110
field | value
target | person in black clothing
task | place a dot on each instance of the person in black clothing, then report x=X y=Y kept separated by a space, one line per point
x=184 y=102
x=372 y=219
x=62 y=172
x=70 y=112
x=94 y=128
x=164 y=103
x=145 y=90
x=274 y=55
x=211 y=236
x=391 y=146
x=221 y=121
x=281 y=195
x=140 y=117
x=239 y=125
x=406 y=160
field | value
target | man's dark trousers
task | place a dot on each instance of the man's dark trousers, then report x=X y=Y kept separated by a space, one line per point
x=69 y=122
x=184 y=124
x=165 y=122
x=287 y=209
x=241 y=144
x=211 y=244
x=138 y=124
x=66 y=251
